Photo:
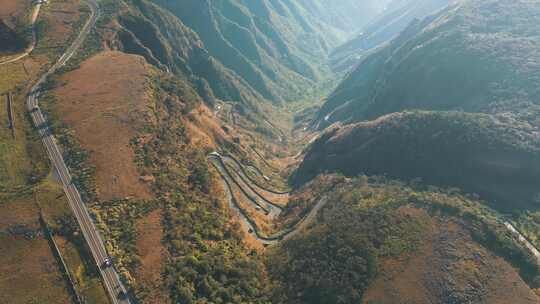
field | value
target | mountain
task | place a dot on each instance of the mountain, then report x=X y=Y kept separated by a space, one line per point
x=495 y=156
x=477 y=56
x=242 y=51
x=380 y=241
x=174 y=120
x=146 y=29
x=275 y=46
x=397 y=16
x=449 y=106
x=477 y=60
x=349 y=16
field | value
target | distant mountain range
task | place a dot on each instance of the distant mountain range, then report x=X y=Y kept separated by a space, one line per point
x=478 y=57
x=396 y=17
x=474 y=67
x=247 y=51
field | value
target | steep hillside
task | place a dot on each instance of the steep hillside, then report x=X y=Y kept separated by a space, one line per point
x=278 y=47
x=398 y=15
x=472 y=57
x=347 y=15
x=250 y=46
x=378 y=241
x=137 y=154
x=152 y=112
x=496 y=156
x=146 y=29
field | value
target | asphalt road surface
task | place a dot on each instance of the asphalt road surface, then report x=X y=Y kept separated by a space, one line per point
x=249 y=225
x=532 y=249
x=91 y=234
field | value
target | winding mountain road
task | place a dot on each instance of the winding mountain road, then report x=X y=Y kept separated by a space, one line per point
x=241 y=180
x=250 y=225
x=111 y=279
x=32 y=45
x=259 y=172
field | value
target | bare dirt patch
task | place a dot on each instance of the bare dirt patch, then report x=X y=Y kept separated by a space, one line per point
x=152 y=254
x=106 y=102
x=449 y=267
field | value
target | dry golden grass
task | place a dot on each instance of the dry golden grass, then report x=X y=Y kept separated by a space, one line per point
x=60 y=18
x=204 y=129
x=22 y=156
x=29 y=270
x=447 y=259
x=152 y=257
x=16 y=154
x=30 y=274
x=90 y=287
x=106 y=103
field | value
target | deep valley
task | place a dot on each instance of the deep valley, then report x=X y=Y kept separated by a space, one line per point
x=270 y=151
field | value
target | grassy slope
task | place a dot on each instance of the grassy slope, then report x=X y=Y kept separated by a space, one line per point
x=273 y=46
x=14 y=26
x=179 y=178
x=371 y=224
x=28 y=187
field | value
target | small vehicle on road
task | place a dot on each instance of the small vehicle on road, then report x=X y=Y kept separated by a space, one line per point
x=107 y=263
x=215 y=153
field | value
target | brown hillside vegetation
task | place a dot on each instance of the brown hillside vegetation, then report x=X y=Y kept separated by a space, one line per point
x=62 y=18
x=106 y=108
x=204 y=129
x=152 y=253
x=448 y=267
x=29 y=272
x=379 y=241
x=12 y=9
